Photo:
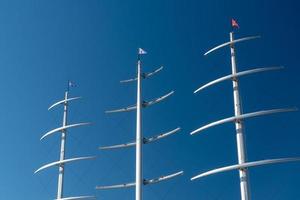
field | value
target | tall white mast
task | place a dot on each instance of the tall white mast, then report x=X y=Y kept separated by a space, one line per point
x=139 y=135
x=61 y=167
x=62 y=161
x=238 y=118
x=239 y=126
x=140 y=140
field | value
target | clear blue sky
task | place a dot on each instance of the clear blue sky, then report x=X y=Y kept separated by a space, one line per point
x=94 y=43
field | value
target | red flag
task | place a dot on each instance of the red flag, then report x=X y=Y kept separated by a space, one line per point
x=234 y=24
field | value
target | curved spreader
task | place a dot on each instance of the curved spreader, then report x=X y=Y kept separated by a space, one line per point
x=125 y=185
x=232 y=42
x=162 y=178
x=129 y=108
x=246 y=165
x=129 y=144
x=148 y=74
x=157 y=100
x=160 y=136
x=77 y=198
x=63 y=162
x=243 y=73
x=63 y=128
x=144 y=104
x=144 y=75
x=243 y=116
x=145 y=182
x=63 y=101
x=145 y=141
x=128 y=80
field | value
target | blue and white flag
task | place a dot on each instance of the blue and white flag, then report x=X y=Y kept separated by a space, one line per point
x=71 y=84
x=142 y=51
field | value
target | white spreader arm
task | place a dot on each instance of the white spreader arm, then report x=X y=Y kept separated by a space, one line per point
x=128 y=80
x=144 y=75
x=125 y=185
x=232 y=42
x=160 y=136
x=157 y=100
x=162 y=178
x=77 y=198
x=63 y=128
x=63 y=101
x=63 y=162
x=246 y=165
x=145 y=141
x=243 y=116
x=129 y=144
x=243 y=73
x=145 y=182
x=144 y=104
x=129 y=108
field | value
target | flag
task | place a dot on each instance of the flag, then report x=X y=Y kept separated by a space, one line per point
x=142 y=51
x=234 y=24
x=71 y=84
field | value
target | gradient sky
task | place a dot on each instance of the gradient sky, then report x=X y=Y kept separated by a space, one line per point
x=94 y=43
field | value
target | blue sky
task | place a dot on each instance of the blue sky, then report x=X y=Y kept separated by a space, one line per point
x=94 y=43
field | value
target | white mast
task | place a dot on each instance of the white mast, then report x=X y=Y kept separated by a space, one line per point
x=61 y=167
x=62 y=161
x=140 y=140
x=238 y=118
x=139 y=135
x=239 y=126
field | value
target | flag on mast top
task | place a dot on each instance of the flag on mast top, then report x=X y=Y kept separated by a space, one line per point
x=234 y=24
x=71 y=84
x=142 y=51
